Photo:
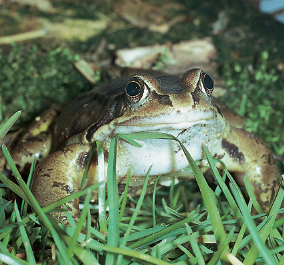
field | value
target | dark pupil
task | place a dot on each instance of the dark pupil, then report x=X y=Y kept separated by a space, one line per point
x=208 y=82
x=133 y=89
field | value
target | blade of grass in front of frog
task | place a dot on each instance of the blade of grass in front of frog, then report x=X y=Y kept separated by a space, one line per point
x=8 y=124
x=89 y=160
x=70 y=219
x=112 y=190
x=13 y=186
x=241 y=235
x=154 y=201
x=194 y=245
x=234 y=183
x=124 y=196
x=25 y=238
x=221 y=248
x=29 y=181
x=43 y=243
x=171 y=195
x=248 y=238
x=221 y=183
x=269 y=225
x=32 y=201
x=259 y=247
x=102 y=188
x=176 y=197
x=73 y=242
x=54 y=205
x=85 y=256
x=206 y=192
x=135 y=213
x=129 y=139
x=88 y=226
x=252 y=196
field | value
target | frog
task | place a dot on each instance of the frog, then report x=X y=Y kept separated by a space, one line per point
x=180 y=106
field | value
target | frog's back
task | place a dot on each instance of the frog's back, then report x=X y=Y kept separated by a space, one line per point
x=95 y=107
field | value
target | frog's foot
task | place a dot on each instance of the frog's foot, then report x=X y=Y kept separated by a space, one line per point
x=59 y=175
x=248 y=156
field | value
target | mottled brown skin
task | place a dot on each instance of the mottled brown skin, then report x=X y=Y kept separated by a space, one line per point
x=253 y=159
x=97 y=114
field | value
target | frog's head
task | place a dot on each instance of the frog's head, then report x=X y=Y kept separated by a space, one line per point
x=166 y=103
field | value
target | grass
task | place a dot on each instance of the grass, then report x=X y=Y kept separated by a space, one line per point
x=43 y=78
x=163 y=227
x=220 y=230
x=255 y=92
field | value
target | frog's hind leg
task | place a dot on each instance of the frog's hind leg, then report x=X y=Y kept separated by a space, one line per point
x=248 y=156
x=35 y=142
x=59 y=175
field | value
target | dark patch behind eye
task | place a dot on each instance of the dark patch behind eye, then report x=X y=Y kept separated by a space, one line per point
x=195 y=97
x=113 y=111
x=216 y=106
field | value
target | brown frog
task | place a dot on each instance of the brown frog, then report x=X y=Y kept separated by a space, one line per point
x=182 y=107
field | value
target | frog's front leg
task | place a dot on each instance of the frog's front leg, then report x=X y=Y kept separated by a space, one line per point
x=246 y=155
x=59 y=175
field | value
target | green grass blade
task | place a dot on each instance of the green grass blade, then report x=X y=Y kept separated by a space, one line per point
x=194 y=245
x=154 y=236
x=102 y=188
x=135 y=213
x=129 y=140
x=13 y=186
x=222 y=183
x=35 y=205
x=221 y=248
x=126 y=252
x=8 y=124
x=25 y=238
x=252 y=196
x=2 y=212
x=124 y=200
x=261 y=248
x=79 y=226
x=154 y=201
x=84 y=255
x=89 y=161
x=12 y=260
x=113 y=231
x=239 y=239
x=48 y=208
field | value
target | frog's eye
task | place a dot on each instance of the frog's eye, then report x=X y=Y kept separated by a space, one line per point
x=136 y=90
x=208 y=83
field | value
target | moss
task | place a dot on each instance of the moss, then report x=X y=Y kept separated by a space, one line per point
x=256 y=92
x=32 y=80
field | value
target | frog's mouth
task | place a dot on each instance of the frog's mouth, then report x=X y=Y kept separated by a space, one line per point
x=164 y=123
